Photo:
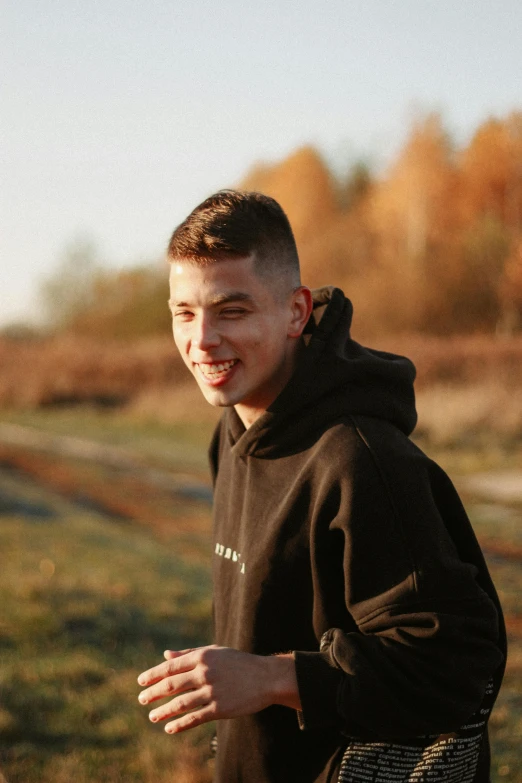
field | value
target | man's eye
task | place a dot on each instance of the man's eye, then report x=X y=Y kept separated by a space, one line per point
x=183 y=315
x=233 y=312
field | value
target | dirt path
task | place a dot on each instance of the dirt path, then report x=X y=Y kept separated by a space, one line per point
x=123 y=460
x=499 y=486
x=37 y=474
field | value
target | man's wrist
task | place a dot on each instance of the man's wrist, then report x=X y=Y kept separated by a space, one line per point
x=283 y=680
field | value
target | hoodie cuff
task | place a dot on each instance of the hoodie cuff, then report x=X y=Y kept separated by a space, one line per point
x=319 y=683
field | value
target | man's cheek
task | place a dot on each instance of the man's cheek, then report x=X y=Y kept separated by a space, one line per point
x=180 y=345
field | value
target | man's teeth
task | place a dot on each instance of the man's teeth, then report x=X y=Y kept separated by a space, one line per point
x=212 y=369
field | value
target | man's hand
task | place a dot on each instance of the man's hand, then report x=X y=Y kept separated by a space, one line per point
x=209 y=683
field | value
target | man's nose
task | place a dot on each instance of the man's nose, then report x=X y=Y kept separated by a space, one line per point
x=205 y=335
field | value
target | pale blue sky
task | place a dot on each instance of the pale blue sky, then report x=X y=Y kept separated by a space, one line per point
x=118 y=117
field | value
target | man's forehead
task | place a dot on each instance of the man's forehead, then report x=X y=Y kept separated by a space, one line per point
x=221 y=281
x=180 y=297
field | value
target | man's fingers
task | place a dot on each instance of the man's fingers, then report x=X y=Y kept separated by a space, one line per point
x=192 y=719
x=170 y=654
x=178 y=662
x=169 y=686
x=184 y=703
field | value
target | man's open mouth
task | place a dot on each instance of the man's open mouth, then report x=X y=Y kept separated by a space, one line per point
x=218 y=370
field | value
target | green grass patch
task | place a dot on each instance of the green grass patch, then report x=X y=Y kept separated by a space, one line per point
x=87 y=605
x=484 y=453
x=504 y=523
x=88 y=602
x=179 y=446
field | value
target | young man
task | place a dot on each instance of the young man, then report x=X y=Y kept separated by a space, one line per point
x=358 y=634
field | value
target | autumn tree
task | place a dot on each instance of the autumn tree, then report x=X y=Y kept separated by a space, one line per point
x=70 y=287
x=491 y=174
x=306 y=190
x=510 y=292
x=85 y=297
x=127 y=304
x=489 y=206
x=412 y=217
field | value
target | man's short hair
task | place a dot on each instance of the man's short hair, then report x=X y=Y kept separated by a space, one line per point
x=237 y=224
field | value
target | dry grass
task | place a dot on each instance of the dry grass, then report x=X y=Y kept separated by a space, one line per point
x=467 y=359
x=68 y=369
x=88 y=603
x=189 y=764
x=451 y=413
x=183 y=402
x=145 y=373
x=467 y=387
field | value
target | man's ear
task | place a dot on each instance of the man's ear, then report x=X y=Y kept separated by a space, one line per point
x=301 y=307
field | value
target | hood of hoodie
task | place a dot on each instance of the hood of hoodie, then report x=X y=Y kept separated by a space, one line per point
x=334 y=377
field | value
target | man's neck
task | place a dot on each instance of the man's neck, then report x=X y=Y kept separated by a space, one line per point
x=248 y=414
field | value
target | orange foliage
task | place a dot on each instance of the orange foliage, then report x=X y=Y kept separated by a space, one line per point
x=429 y=245
x=412 y=209
x=303 y=186
x=510 y=291
x=511 y=284
x=305 y=189
x=412 y=216
x=491 y=172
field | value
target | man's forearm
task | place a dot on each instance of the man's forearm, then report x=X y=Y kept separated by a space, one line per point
x=284 y=681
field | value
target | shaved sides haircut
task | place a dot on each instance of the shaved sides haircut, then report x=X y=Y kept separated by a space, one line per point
x=236 y=224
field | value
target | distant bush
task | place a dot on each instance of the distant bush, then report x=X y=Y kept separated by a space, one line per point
x=85 y=298
x=72 y=369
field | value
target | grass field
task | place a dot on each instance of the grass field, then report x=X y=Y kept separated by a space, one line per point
x=101 y=573
x=88 y=602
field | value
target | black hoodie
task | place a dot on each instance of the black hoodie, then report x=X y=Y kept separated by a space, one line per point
x=335 y=537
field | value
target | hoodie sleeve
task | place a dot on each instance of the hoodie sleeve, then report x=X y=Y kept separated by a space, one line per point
x=421 y=637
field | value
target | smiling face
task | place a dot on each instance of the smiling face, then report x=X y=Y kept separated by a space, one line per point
x=236 y=336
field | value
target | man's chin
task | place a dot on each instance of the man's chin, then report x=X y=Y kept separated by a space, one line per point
x=217 y=398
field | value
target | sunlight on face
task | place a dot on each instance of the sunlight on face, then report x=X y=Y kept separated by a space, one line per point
x=235 y=336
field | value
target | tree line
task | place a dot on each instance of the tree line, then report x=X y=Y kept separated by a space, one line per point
x=432 y=245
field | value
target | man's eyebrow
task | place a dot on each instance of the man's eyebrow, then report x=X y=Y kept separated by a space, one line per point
x=219 y=299
x=233 y=296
